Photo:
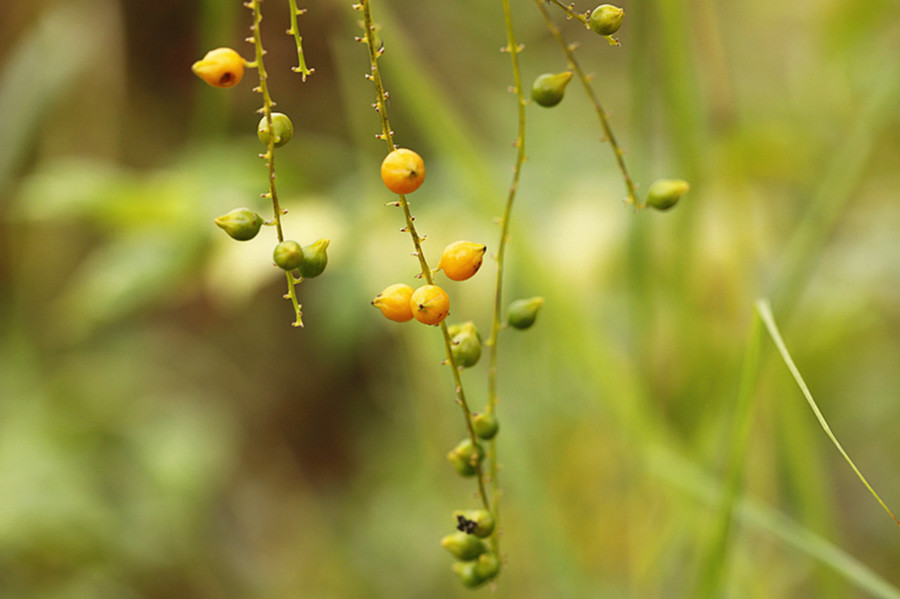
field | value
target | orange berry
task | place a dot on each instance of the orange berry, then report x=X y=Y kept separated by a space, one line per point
x=394 y=302
x=430 y=304
x=222 y=67
x=462 y=259
x=403 y=171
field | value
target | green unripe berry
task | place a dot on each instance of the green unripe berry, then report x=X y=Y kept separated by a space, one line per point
x=487 y=566
x=606 y=19
x=463 y=546
x=477 y=522
x=288 y=255
x=241 y=223
x=665 y=193
x=523 y=312
x=281 y=125
x=315 y=259
x=485 y=425
x=548 y=89
x=466 y=346
x=466 y=457
x=475 y=573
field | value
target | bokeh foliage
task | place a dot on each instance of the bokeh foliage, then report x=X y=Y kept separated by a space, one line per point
x=164 y=432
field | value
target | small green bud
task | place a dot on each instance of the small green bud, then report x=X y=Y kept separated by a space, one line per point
x=241 y=223
x=281 y=124
x=485 y=425
x=548 y=89
x=463 y=546
x=606 y=19
x=477 y=522
x=315 y=259
x=523 y=312
x=665 y=193
x=288 y=255
x=466 y=347
x=465 y=457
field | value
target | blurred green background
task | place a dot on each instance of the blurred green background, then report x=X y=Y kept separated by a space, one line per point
x=165 y=432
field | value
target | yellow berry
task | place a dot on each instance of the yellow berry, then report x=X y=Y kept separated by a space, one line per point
x=394 y=302
x=462 y=259
x=430 y=304
x=222 y=67
x=403 y=171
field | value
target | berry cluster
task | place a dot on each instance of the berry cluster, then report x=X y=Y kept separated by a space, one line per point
x=224 y=67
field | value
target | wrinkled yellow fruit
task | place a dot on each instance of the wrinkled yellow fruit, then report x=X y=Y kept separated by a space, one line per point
x=394 y=302
x=403 y=171
x=430 y=304
x=462 y=259
x=222 y=67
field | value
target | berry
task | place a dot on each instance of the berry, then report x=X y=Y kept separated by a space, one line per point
x=394 y=302
x=241 y=223
x=463 y=546
x=466 y=347
x=477 y=522
x=222 y=67
x=548 y=89
x=403 y=171
x=462 y=259
x=523 y=312
x=485 y=425
x=665 y=193
x=281 y=124
x=314 y=259
x=476 y=572
x=465 y=457
x=288 y=255
x=430 y=304
x=606 y=19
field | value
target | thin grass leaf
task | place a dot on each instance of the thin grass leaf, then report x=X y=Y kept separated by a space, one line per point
x=764 y=309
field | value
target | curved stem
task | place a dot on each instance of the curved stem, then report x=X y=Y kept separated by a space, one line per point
x=619 y=153
x=298 y=41
x=388 y=136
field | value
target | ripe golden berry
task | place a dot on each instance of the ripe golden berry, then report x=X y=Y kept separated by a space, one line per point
x=394 y=302
x=403 y=171
x=462 y=259
x=430 y=304
x=222 y=67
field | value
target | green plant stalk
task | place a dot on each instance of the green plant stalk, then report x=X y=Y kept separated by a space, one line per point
x=513 y=48
x=298 y=41
x=764 y=309
x=714 y=562
x=388 y=136
x=269 y=155
x=569 y=51
x=569 y=9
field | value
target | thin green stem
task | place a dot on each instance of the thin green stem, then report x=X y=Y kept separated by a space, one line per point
x=388 y=136
x=569 y=50
x=298 y=41
x=569 y=9
x=269 y=155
